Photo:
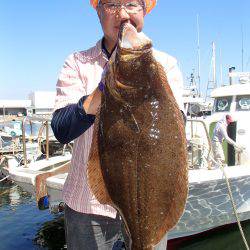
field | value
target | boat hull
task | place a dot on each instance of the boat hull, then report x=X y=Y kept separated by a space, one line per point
x=208 y=205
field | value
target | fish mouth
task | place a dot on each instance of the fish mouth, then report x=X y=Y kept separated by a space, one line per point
x=131 y=40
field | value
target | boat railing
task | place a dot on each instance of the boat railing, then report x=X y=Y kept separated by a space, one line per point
x=204 y=145
x=40 y=137
x=44 y=125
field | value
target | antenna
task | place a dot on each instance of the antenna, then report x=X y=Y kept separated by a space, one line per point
x=242 y=50
x=199 y=55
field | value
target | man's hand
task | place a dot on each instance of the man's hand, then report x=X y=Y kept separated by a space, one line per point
x=93 y=101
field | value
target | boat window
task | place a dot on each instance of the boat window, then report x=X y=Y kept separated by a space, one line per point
x=243 y=103
x=222 y=104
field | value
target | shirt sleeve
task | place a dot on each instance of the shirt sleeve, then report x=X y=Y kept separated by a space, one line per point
x=223 y=131
x=174 y=75
x=70 y=86
x=71 y=121
x=175 y=80
x=69 y=118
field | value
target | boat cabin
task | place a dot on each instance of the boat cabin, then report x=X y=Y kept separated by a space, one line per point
x=232 y=98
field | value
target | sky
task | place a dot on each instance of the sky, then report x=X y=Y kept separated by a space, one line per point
x=37 y=36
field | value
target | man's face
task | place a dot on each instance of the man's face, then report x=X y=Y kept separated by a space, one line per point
x=111 y=21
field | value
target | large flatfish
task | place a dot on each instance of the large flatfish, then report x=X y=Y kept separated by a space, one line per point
x=138 y=160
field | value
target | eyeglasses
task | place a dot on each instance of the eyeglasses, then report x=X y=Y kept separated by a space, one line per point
x=131 y=7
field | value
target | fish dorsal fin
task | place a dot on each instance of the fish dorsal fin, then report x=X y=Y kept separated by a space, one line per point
x=94 y=173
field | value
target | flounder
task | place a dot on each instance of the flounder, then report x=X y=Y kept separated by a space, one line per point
x=138 y=159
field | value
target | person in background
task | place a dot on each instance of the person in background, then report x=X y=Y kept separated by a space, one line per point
x=89 y=224
x=219 y=135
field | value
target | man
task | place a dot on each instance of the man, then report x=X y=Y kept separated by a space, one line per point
x=89 y=224
x=220 y=134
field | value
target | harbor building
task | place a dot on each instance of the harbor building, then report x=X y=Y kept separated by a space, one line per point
x=15 y=107
x=42 y=102
x=38 y=103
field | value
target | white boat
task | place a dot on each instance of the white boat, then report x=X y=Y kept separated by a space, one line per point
x=31 y=170
x=209 y=205
x=33 y=176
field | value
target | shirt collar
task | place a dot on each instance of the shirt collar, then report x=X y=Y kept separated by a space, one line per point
x=101 y=49
x=99 y=52
x=104 y=50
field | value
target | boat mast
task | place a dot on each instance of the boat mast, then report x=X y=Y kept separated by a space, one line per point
x=212 y=83
x=199 y=56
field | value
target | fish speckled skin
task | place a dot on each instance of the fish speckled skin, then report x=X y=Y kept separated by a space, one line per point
x=139 y=144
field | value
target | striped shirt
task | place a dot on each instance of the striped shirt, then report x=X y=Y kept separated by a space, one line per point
x=71 y=121
x=79 y=77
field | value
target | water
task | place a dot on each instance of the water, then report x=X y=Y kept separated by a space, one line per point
x=24 y=227
x=228 y=238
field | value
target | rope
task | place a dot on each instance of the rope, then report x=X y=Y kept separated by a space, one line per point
x=13 y=187
x=8 y=190
x=233 y=203
x=2 y=160
x=6 y=177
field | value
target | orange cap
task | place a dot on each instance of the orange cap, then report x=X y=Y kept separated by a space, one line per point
x=150 y=4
